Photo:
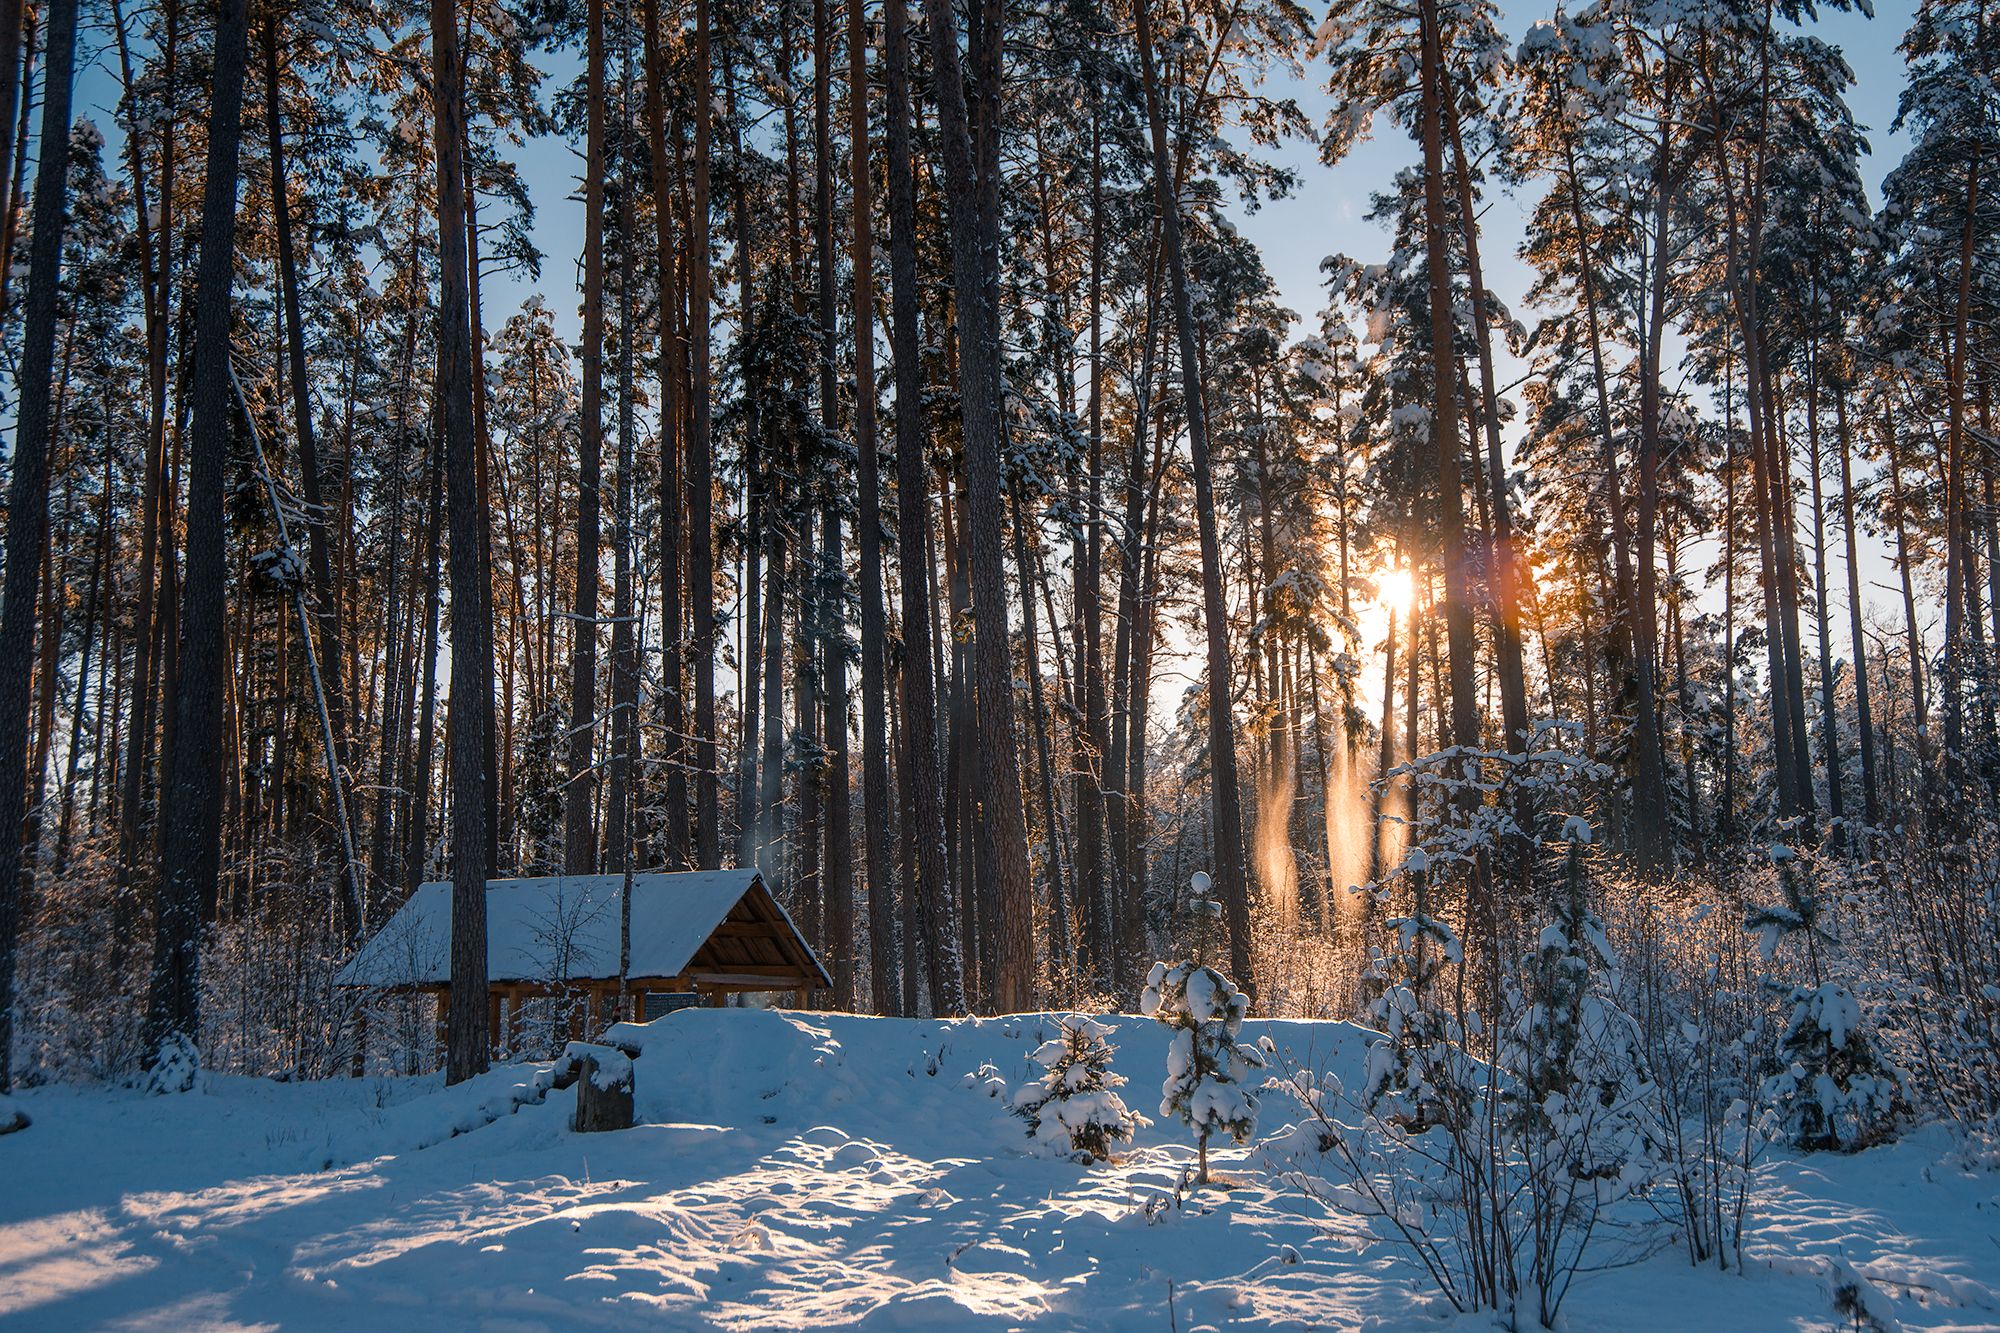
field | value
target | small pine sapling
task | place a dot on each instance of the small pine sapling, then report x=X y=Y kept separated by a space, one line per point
x=175 y=1067
x=1073 y=1109
x=1208 y=1071
x=1572 y=1040
x=1829 y=1085
x=1833 y=1089
x=1420 y=1035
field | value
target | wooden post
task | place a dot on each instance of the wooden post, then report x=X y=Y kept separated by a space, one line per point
x=493 y=1019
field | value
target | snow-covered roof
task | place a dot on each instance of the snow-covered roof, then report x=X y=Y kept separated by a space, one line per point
x=565 y=927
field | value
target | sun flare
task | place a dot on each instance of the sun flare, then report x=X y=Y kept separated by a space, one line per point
x=1393 y=590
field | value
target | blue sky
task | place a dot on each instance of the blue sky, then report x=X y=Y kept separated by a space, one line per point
x=1325 y=215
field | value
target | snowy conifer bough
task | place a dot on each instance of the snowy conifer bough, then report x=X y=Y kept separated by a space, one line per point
x=1209 y=1072
x=1074 y=1109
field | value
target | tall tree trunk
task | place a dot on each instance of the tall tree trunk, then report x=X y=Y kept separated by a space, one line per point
x=1619 y=653
x=579 y=831
x=469 y=1037
x=868 y=530
x=1506 y=572
x=1958 y=574
x=758 y=511
x=1649 y=789
x=1062 y=946
x=28 y=494
x=11 y=84
x=1092 y=880
x=700 y=482
x=1444 y=402
x=931 y=897
x=1919 y=711
x=1829 y=718
x=830 y=579
x=620 y=799
x=1858 y=645
x=17 y=162
x=973 y=185
x=673 y=666
x=319 y=550
x=156 y=263
x=417 y=857
x=190 y=853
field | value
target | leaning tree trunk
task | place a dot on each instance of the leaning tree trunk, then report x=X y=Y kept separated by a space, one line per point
x=191 y=848
x=28 y=497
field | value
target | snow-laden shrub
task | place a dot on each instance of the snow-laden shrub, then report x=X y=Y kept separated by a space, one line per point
x=1209 y=1073
x=986 y=1079
x=1690 y=983
x=1400 y=988
x=1074 y=1108
x=1833 y=1089
x=1922 y=930
x=1830 y=1086
x=1502 y=1108
x=176 y=1065
x=1574 y=1049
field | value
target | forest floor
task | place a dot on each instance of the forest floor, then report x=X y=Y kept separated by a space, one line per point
x=807 y=1171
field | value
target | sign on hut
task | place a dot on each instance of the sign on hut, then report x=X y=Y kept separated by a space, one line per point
x=695 y=936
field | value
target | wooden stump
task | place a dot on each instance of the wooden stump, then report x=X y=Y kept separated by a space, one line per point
x=603 y=1089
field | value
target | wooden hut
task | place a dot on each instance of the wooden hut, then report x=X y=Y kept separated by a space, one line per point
x=695 y=937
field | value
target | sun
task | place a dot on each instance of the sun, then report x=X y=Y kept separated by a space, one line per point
x=1393 y=590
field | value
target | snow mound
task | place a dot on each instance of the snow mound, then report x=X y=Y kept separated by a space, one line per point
x=808 y=1171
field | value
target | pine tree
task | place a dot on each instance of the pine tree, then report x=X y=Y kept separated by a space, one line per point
x=1208 y=1085
x=1073 y=1107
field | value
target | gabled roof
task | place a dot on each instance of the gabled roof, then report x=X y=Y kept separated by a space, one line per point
x=565 y=928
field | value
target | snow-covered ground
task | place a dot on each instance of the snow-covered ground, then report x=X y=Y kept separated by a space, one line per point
x=810 y=1171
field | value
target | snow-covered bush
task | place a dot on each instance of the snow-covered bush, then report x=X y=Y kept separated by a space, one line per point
x=986 y=1079
x=1574 y=1048
x=1830 y=1086
x=176 y=1067
x=1690 y=984
x=1400 y=989
x=1833 y=1089
x=1502 y=1107
x=1209 y=1072
x=1074 y=1109
x=1923 y=960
